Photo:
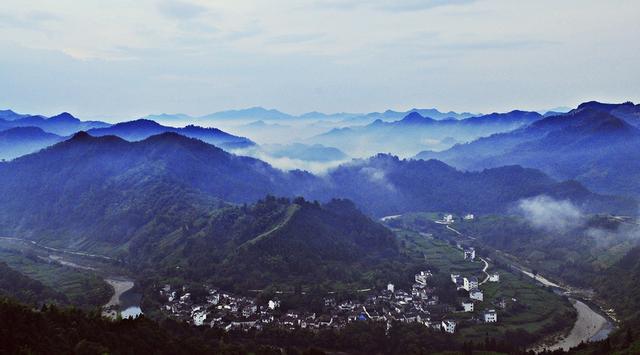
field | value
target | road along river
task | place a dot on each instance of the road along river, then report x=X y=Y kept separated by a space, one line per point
x=592 y=324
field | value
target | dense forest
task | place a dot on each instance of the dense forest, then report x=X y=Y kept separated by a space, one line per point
x=15 y=285
x=275 y=242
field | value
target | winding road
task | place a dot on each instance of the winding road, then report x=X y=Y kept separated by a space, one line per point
x=34 y=243
x=589 y=325
x=484 y=269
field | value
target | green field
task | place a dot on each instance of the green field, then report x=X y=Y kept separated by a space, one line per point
x=82 y=288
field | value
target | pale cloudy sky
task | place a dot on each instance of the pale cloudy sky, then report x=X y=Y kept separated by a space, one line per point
x=125 y=58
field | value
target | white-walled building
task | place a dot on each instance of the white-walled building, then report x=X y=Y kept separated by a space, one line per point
x=273 y=304
x=467 y=306
x=470 y=283
x=470 y=253
x=455 y=277
x=495 y=277
x=490 y=316
x=391 y=288
x=469 y=217
x=422 y=277
x=476 y=294
x=449 y=326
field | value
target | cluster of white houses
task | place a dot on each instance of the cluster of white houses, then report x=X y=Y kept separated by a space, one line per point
x=421 y=305
x=449 y=219
x=227 y=311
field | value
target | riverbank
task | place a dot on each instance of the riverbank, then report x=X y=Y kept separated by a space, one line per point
x=110 y=309
x=587 y=326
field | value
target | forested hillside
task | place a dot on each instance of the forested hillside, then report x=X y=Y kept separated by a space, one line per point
x=24 y=289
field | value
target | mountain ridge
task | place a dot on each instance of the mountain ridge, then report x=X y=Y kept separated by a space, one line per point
x=586 y=144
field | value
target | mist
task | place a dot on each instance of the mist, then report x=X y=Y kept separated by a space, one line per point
x=549 y=214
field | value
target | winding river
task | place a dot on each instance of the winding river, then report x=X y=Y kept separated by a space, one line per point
x=590 y=324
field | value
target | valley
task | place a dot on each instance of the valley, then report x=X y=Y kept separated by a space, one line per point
x=156 y=223
x=337 y=177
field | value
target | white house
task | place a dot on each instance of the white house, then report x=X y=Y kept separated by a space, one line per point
x=391 y=288
x=469 y=217
x=476 y=294
x=495 y=277
x=470 y=283
x=273 y=304
x=449 y=326
x=422 y=276
x=198 y=315
x=470 y=253
x=467 y=306
x=490 y=316
x=455 y=277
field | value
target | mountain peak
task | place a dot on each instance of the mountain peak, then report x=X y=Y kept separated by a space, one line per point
x=415 y=118
x=602 y=106
x=65 y=116
x=142 y=122
x=81 y=136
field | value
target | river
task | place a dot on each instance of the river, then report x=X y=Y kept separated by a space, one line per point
x=590 y=324
x=120 y=286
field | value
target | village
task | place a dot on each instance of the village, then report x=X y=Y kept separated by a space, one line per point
x=420 y=305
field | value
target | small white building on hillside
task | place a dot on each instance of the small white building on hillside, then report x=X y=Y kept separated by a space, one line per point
x=273 y=304
x=470 y=253
x=470 y=283
x=490 y=316
x=495 y=277
x=422 y=277
x=449 y=326
x=467 y=306
x=455 y=277
x=476 y=294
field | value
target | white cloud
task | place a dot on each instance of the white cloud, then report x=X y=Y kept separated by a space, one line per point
x=180 y=9
x=550 y=214
x=298 y=56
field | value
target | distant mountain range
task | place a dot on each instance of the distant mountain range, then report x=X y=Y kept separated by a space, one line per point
x=9 y=115
x=428 y=112
x=63 y=124
x=109 y=183
x=141 y=129
x=15 y=142
x=24 y=134
x=415 y=132
x=263 y=114
x=595 y=144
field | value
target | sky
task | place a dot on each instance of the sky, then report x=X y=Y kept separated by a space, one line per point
x=123 y=59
